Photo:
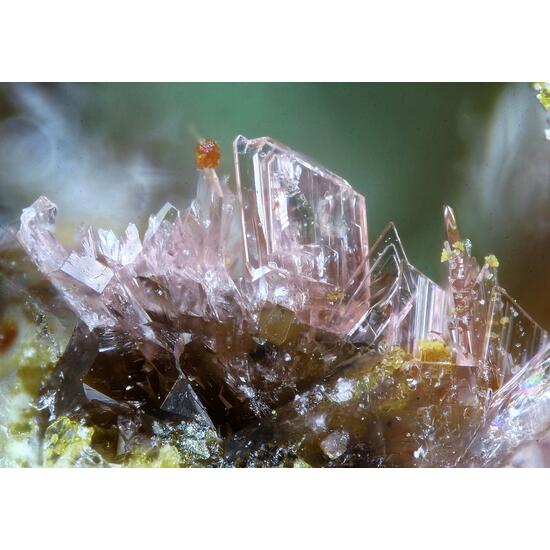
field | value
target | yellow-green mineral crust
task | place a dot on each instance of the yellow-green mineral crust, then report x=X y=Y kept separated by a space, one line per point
x=24 y=366
x=543 y=93
x=68 y=443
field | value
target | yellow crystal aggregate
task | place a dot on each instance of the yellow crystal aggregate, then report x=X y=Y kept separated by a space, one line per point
x=491 y=261
x=543 y=93
x=434 y=351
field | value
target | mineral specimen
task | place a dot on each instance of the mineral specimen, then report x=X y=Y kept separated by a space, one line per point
x=542 y=90
x=304 y=230
x=257 y=328
x=208 y=154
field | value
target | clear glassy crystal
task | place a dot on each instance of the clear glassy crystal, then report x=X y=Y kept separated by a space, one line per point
x=298 y=219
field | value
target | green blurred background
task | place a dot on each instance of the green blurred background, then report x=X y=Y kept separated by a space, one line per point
x=112 y=153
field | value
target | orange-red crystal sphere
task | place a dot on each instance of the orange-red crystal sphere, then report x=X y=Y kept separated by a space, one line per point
x=207 y=154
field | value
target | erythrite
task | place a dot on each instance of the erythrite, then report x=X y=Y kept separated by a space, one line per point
x=261 y=312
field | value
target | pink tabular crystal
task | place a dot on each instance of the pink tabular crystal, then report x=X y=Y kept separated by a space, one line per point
x=301 y=223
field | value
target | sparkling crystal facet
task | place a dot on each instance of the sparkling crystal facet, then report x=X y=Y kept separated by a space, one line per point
x=299 y=220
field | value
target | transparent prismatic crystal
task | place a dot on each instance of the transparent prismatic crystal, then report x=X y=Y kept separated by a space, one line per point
x=362 y=311
x=488 y=328
x=512 y=337
x=419 y=311
x=463 y=273
x=400 y=305
x=299 y=220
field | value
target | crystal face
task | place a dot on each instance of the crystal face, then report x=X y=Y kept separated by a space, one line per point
x=257 y=328
x=300 y=222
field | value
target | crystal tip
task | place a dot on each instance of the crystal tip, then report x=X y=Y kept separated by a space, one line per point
x=451 y=226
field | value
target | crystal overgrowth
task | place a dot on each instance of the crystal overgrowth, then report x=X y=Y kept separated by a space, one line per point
x=257 y=328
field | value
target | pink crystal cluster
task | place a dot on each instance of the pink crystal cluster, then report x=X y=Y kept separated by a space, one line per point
x=112 y=281
x=292 y=235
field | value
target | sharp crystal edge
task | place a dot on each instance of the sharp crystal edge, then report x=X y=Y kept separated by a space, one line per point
x=258 y=326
